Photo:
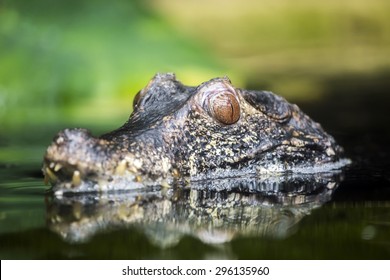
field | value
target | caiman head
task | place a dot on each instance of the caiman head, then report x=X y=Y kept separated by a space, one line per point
x=189 y=133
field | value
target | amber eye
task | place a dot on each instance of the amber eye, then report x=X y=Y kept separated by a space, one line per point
x=136 y=99
x=225 y=108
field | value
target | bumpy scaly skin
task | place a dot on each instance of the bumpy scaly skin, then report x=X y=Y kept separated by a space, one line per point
x=172 y=134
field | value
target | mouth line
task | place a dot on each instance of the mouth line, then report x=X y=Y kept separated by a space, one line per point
x=66 y=174
x=65 y=177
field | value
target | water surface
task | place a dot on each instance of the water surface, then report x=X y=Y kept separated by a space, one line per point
x=342 y=217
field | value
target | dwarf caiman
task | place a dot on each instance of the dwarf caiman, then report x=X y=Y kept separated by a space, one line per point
x=191 y=133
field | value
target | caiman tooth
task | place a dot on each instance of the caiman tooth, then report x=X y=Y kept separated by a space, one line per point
x=52 y=177
x=57 y=167
x=165 y=184
x=121 y=167
x=133 y=169
x=76 y=178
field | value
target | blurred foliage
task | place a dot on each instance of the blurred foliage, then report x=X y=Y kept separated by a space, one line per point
x=80 y=59
x=80 y=62
x=286 y=46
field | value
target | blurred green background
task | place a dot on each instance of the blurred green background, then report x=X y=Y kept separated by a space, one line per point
x=79 y=63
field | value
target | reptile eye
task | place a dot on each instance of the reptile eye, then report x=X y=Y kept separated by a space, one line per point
x=136 y=99
x=225 y=108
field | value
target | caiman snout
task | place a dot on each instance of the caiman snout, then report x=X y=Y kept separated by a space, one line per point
x=73 y=155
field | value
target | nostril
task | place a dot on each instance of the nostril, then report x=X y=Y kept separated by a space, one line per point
x=79 y=135
x=70 y=143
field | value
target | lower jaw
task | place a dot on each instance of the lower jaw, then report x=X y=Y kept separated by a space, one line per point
x=113 y=183
x=77 y=183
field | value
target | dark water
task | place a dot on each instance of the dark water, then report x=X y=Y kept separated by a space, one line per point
x=334 y=216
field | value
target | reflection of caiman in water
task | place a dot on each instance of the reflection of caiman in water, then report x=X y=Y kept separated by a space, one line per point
x=214 y=211
x=187 y=134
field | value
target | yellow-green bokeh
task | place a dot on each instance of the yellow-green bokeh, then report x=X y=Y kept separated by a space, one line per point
x=80 y=62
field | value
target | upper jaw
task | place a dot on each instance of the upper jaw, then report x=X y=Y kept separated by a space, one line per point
x=75 y=157
x=77 y=162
